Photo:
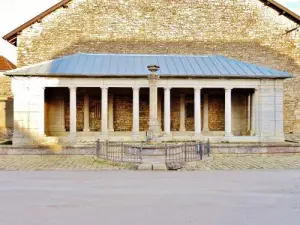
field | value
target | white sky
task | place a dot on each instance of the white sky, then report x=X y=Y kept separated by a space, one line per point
x=14 y=13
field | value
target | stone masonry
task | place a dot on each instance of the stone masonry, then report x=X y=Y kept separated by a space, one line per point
x=245 y=30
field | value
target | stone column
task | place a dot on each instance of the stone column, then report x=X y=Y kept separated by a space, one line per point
x=73 y=109
x=249 y=113
x=42 y=110
x=205 y=113
x=104 y=111
x=182 y=113
x=159 y=110
x=228 y=132
x=86 y=112
x=167 y=112
x=253 y=113
x=154 y=127
x=136 y=113
x=197 y=111
x=110 y=113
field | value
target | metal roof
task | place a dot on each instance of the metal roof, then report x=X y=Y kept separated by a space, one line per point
x=86 y=64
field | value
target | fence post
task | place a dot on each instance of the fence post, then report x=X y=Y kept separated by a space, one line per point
x=122 y=151
x=106 y=149
x=201 y=150
x=97 y=147
x=208 y=147
x=185 y=152
x=140 y=153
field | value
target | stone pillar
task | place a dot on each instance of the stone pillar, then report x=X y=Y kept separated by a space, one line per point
x=228 y=132
x=136 y=114
x=167 y=112
x=249 y=113
x=197 y=111
x=73 y=109
x=154 y=127
x=182 y=113
x=42 y=111
x=159 y=110
x=104 y=111
x=253 y=113
x=110 y=113
x=205 y=113
x=86 y=112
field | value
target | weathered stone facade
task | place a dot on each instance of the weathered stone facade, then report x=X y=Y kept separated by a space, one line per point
x=245 y=30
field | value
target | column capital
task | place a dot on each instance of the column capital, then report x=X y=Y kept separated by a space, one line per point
x=167 y=88
x=104 y=88
x=228 y=88
x=135 y=88
x=197 y=88
x=72 y=88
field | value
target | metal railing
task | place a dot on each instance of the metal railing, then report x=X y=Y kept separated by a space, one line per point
x=119 y=151
x=186 y=152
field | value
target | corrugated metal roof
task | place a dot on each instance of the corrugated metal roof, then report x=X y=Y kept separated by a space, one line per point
x=85 y=64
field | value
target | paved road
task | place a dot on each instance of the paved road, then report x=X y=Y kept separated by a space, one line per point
x=129 y=197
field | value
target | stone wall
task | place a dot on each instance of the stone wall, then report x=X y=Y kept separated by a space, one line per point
x=245 y=30
x=6 y=107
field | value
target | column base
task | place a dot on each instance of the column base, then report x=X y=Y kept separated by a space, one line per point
x=72 y=137
x=111 y=130
x=103 y=136
x=228 y=134
x=86 y=130
x=182 y=129
x=205 y=129
x=169 y=134
x=135 y=136
x=198 y=136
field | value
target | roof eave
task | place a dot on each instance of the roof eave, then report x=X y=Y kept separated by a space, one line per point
x=237 y=76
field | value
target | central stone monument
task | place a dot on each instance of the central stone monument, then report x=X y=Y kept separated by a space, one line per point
x=154 y=125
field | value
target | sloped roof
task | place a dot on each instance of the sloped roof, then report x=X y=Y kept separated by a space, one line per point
x=11 y=37
x=99 y=65
x=5 y=64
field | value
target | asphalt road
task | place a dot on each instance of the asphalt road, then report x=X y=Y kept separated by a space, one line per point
x=110 y=198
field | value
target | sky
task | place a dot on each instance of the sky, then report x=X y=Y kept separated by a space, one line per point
x=13 y=14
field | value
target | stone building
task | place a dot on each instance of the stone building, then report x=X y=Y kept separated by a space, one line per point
x=6 y=103
x=219 y=77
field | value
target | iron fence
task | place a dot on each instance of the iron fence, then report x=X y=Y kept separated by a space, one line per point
x=119 y=151
x=187 y=152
